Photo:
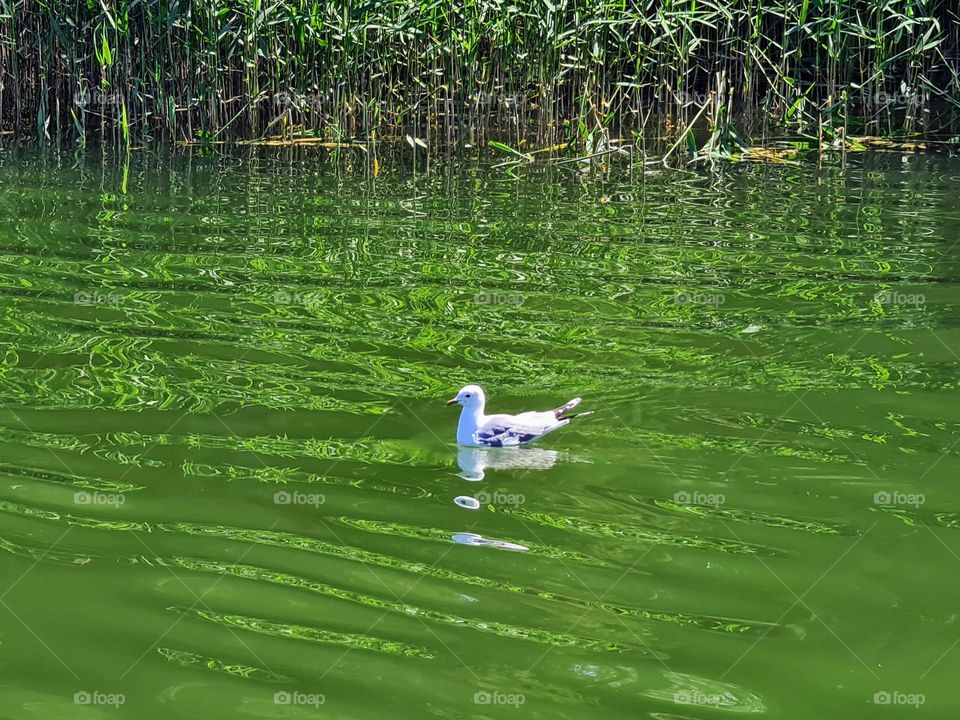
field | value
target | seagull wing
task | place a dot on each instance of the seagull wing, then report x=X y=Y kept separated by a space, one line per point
x=509 y=430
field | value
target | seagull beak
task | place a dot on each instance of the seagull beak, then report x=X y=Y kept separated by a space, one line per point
x=452 y=402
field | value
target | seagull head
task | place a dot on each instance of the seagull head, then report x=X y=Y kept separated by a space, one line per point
x=470 y=396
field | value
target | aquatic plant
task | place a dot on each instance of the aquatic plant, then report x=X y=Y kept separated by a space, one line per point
x=449 y=75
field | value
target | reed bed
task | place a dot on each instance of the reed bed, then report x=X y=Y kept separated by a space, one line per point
x=451 y=74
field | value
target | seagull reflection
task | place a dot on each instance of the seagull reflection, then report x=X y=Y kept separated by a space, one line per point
x=474 y=460
x=479 y=540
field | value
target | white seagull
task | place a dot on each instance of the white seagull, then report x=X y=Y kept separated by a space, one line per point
x=479 y=430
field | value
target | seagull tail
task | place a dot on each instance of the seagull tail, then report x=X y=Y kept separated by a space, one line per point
x=563 y=412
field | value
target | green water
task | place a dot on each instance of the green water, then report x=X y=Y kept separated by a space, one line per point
x=761 y=518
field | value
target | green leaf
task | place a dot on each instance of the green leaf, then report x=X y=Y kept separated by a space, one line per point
x=106 y=57
x=124 y=125
x=509 y=150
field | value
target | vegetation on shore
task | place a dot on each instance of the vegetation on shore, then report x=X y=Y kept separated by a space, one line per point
x=709 y=76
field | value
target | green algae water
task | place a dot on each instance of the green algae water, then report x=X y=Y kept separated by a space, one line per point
x=228 y=480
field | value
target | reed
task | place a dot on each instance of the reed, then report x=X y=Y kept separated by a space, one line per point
x=456 y=74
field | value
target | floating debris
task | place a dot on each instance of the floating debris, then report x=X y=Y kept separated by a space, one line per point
x=465 y=501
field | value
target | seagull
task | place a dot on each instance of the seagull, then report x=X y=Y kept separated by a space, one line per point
x=478 y=430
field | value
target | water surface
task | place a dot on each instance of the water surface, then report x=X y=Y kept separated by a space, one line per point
x=229 y=486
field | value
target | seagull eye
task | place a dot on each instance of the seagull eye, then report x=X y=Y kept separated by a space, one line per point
x=467 y=395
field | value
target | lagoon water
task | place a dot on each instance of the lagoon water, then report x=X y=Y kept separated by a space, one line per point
x=228 y=480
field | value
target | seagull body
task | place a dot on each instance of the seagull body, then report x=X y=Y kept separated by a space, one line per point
x=477 y=429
